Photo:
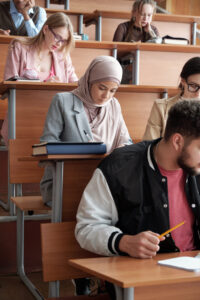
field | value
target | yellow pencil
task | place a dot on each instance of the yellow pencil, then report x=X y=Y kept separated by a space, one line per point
x=171 y=229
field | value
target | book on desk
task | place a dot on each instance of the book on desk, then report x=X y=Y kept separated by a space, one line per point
x=167 y=39
x=69 y=148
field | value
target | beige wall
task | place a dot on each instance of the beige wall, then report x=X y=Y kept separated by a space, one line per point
x=183 y=7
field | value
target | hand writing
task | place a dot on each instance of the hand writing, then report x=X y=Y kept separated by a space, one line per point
x=53 y=79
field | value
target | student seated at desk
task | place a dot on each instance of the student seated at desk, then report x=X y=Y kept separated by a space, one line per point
x=140 y=191
x=45 y=57
x=89 y=113
x=21 y=17
x=139 y=28
x=189 y=89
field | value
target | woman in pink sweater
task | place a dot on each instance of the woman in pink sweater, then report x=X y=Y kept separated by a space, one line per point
x=44 y=57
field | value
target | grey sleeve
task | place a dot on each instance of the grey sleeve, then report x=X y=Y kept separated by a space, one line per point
x=54 y=121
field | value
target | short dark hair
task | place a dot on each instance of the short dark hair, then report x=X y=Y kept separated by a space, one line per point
x=184 y=118
x=191 y=67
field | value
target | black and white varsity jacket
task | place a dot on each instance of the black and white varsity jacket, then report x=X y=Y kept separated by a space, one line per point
x=127 y=195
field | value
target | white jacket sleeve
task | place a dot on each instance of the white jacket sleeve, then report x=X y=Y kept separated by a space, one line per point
x=96 y=218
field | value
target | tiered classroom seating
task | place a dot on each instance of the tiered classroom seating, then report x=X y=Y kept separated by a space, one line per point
x=109 y=20
x=136 y=102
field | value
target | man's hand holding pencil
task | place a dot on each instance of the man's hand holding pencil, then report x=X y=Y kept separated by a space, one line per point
x=144 y=244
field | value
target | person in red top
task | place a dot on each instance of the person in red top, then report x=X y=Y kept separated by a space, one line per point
x=140 y=191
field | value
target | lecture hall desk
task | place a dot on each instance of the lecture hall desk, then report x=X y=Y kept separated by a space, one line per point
x=158 y=65
x=167 y=24
x=143 y=279
x=28 y=103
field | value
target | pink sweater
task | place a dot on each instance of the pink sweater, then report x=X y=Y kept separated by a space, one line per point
x=20 y=57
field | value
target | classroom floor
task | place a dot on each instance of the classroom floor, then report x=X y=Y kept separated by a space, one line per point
x=12 y=288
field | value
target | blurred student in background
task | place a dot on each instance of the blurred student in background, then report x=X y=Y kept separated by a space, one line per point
x=21 y=17
x=189 y=89
x=139 y=28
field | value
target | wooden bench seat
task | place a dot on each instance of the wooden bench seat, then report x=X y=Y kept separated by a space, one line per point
x=58 y=246
x=25 y=203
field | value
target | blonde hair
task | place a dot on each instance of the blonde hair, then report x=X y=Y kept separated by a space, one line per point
x=54 y=21
x=137 y=7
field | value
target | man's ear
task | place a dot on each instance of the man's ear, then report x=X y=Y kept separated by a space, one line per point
x=178 y=142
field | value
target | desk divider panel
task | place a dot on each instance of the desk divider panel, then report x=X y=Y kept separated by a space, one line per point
x=3 y=108
x=136 y=108
x=82 y=57
x=23 y=171
x=3 y=51
x=164 y=68
x=31 y=110
x=77 y=174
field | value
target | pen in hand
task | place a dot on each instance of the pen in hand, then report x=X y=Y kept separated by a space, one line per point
x=171 y=229
x=90 y=139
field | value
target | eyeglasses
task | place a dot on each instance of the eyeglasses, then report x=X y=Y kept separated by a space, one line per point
x=57 y=37
x=193 y=87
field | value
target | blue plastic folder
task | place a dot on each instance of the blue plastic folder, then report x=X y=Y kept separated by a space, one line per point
x=69 y=148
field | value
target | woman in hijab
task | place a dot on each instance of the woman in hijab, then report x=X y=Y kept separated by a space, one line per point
x=89 y=113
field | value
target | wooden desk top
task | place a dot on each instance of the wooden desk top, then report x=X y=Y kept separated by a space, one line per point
x=67 y=12
x=25 y=85
x=131 y=272
x=122 y=46
x=62 y=157
x=156 y=17
x=31 y=85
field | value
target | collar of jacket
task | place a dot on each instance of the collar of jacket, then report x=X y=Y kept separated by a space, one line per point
x=150 y=155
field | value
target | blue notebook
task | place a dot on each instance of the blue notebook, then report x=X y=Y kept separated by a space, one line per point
x=69 y=148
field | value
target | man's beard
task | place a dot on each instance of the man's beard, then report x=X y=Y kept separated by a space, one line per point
x=183 y=165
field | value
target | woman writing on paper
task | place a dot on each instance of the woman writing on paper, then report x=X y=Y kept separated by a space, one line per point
x=44 y=56
x=189 y=89
x=89 y=113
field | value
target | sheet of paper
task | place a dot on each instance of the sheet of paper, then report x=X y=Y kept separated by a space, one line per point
x=185 y=262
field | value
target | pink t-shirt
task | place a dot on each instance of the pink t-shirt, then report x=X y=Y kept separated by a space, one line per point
x=179 y=209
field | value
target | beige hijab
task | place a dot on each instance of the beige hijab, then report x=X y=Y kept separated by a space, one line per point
x=105 y=120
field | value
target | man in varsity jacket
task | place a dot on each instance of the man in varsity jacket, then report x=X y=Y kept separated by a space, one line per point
x=142 y=190
x=21 y=17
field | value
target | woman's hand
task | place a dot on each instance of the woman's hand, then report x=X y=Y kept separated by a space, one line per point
x=148 y=27
x=53 y=79
x=24 y=11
